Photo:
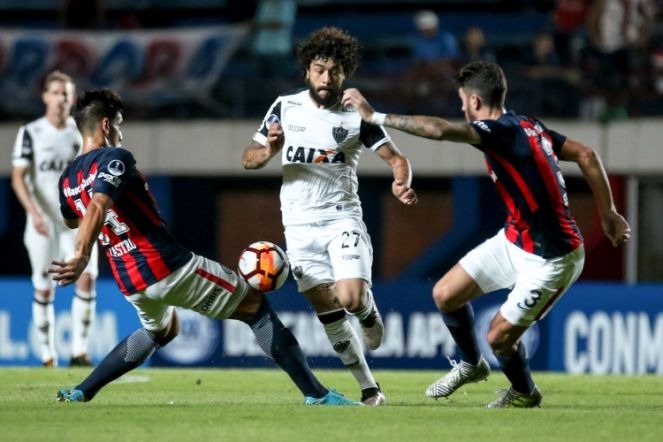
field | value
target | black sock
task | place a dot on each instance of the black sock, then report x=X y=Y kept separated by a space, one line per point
x=516 y=369
x=461 y=326
x=127 y=355
x=278 y=343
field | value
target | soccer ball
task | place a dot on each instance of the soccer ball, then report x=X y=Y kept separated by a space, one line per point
x=264 y=266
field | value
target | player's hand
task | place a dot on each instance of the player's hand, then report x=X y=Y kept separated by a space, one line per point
x=41 y=226
x=353 y=98
x=404 y=193
x=67 y=272
x=616 y=228
x=275 y=138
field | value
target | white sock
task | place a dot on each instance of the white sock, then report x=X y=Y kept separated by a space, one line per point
x=346 y=343
x=43 y=317
x=82 y=316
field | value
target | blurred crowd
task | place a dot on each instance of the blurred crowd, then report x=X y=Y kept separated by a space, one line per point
x=597 y=60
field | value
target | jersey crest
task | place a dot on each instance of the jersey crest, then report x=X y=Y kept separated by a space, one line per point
x=339 y=133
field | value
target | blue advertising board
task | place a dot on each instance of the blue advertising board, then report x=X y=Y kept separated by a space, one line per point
x=594 y=328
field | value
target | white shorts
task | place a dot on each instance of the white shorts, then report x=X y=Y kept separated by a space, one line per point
x=536 y=283
x=59 y=244
x=329 y=251
x=201 y=285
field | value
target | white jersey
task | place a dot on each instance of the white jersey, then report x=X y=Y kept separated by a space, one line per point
x=46 y=151
x=320 y=156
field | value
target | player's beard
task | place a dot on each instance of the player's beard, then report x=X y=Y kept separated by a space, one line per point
x=328 y=101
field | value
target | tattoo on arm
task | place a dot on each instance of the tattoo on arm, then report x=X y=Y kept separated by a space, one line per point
x=427 y=127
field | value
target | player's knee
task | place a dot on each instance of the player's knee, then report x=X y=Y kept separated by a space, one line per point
x=167 y=334
x=442 y=296
x=350 y=301
x=86 y=283
x=44 y=296
x=350 y=294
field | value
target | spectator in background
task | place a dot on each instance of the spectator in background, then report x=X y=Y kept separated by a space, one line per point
x=474 y=47
x=432 y=45
x=435 y=54
x=569 y=19
x=272 y=44
x=542 y=59
x=552 y=89
x=618 y=31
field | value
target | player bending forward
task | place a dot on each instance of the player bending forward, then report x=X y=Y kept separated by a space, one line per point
x=538 y=254
x=106 y=197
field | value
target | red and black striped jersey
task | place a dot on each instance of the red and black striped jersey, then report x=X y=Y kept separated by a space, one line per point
x=521 y=157
x=137 y=243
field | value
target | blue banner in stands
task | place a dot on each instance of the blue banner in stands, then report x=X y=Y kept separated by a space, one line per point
x=147 y=67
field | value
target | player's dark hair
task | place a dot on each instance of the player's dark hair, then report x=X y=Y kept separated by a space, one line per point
x=486 y=80
x=95 y=105
x=330 y=42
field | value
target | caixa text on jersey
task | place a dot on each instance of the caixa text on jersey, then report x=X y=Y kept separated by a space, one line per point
x=313 y=155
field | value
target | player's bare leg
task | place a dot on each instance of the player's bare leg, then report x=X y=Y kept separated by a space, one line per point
x=127 y=355
x=504 y=339
x=344 y=340
x=357 y=298
x=452 y=295
x=282 y=347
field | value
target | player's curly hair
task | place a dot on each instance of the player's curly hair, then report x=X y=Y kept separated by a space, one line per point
x=94 y=105
x=330 y=42
x=487 y=80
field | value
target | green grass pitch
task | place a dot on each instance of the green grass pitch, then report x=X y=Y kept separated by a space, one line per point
x=262 y=405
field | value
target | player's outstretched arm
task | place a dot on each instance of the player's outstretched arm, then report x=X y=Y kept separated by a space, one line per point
x=67 y=272
x=614 y=225
x=257 y=156
x=434 y=128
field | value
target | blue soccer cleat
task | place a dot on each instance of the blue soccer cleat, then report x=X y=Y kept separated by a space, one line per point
x=70 y=396
x=331 y=398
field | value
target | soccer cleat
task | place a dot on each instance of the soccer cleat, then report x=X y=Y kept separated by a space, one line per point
x=331 y=398
x=70 y=396
x=82 y=360
x=509 y=397
x=461 y=373
x=373 y=396
x=372 y=326
x=50 y=363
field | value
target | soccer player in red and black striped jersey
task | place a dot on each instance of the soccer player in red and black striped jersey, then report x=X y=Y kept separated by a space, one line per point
x=539 y=252
x=106 y=197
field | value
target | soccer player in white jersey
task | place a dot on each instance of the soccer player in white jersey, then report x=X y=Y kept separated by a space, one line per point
x=43 y=149
x=328 y=245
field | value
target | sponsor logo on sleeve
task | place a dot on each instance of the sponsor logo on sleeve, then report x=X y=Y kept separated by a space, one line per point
x=114 y=181
x=273 y=118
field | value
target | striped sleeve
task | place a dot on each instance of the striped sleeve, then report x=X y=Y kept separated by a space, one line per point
x=23 y=153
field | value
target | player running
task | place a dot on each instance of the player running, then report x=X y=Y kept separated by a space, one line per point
x=104 y=195
x=329 y=248
x=42 y=150
x=538 y=254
